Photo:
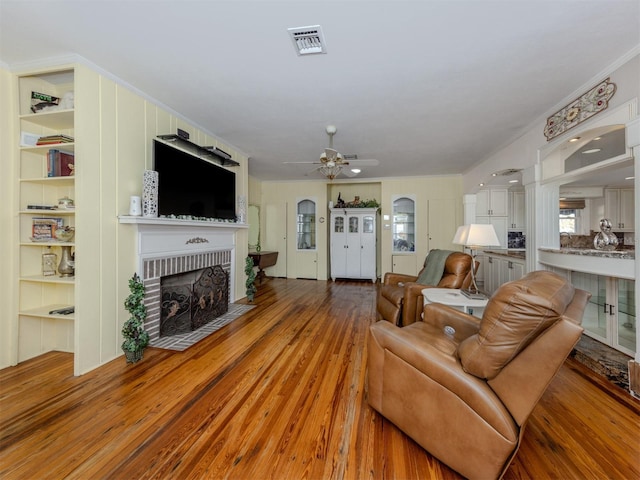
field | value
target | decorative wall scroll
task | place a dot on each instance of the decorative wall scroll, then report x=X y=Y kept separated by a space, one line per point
x=584 y=107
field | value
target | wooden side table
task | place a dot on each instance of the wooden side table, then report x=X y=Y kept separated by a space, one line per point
x=263 y=260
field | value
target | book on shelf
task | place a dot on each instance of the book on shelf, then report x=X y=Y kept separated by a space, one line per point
x=44 y=228
x=40 y=101
x=60 y=163
x=53 y=139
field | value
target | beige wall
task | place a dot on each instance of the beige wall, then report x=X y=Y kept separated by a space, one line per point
x=8 y=207
x=426 y=189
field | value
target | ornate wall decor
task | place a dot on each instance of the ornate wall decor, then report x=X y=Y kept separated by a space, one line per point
x=584 y=107
x=196 y=240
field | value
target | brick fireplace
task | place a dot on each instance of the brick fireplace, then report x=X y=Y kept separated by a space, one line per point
x=167 y=247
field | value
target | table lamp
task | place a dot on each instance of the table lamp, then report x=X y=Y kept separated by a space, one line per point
x=474 y=236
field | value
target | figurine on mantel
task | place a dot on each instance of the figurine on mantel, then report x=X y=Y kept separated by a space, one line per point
x=605 y=239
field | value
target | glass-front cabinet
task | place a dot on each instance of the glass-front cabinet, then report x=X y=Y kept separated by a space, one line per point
x=404 y=224
x=610 y=314
x=306 y=225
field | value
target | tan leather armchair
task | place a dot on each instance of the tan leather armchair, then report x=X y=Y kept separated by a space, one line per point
x=400 y=300
x=462 y=387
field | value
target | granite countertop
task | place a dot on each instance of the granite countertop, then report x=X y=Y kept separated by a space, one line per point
x=514 y=254
x=627 y=254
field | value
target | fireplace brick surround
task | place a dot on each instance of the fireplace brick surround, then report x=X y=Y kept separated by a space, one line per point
x=172 y=246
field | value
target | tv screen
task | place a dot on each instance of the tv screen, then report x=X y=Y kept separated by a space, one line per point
x=189 y=185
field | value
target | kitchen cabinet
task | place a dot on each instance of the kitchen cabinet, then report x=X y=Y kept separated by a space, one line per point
x=353 y=243
x=619 y=208
x=516 y=211
x=492 y=202
x=499 y=269
x=610 y=314
x=492 y=208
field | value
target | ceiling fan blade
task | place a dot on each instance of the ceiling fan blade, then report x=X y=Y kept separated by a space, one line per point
x=302 y=163
x=365 y=162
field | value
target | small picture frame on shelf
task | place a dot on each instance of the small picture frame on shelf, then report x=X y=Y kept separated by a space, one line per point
x=49 y=264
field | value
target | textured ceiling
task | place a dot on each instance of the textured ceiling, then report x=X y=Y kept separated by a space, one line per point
x=425 y=87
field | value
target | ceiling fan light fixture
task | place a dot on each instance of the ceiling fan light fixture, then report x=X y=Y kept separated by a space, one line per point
x=330 y=171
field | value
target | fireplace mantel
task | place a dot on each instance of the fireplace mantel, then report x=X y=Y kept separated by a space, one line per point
x=177 y=222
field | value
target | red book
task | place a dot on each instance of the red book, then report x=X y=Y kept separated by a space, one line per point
x=67 y=164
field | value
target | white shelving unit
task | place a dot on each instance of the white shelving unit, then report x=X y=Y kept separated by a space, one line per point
x=39 y=330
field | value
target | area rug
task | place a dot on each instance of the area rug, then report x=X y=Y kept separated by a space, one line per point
x=185 y=340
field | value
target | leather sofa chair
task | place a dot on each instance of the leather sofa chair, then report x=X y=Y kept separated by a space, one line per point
x=462 y=387
x=399 y=298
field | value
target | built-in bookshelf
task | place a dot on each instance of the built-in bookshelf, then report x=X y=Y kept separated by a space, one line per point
x=42 y=290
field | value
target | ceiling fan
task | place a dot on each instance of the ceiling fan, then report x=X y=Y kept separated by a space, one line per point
x=331 y=162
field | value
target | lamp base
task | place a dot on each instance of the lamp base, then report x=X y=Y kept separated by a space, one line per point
x=474 y=295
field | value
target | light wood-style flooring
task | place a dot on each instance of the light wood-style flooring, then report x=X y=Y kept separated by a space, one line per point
x=277 y=394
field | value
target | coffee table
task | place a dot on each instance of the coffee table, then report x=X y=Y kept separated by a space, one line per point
x=453 y=298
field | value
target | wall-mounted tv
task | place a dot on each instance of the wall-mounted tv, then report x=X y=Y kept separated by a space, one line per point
x=189 y=185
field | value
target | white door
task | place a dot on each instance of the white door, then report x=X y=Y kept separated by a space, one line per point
x=353 y=246
x=442 y=224
x=368 y=248
x=338 y=246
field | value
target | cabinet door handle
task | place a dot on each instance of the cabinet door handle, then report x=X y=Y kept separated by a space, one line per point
x=611 y=310
x=510 y=264
x=605 y=308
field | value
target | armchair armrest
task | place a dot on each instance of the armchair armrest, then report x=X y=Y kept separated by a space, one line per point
x=441 y=316
x=391 y=278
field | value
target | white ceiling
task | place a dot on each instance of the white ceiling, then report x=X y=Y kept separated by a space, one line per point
x=425 y=87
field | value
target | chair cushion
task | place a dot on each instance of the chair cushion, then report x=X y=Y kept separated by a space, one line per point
x=516 y=314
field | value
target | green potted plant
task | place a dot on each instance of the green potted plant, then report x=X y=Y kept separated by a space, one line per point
x=251 y=278
x=135 y=336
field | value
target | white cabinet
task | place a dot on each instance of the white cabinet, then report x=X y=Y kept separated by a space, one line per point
x=516 y=211
x=610 y=314
x=492 y=202
x=353 y=243
x=619 y=208
x=499 y=270
x=492 y=206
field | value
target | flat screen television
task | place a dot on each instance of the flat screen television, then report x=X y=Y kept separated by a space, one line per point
x=189 y=185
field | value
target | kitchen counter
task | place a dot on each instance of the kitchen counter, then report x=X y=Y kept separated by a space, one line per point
x=616 y=263
x=513 y=254
x=628 y=254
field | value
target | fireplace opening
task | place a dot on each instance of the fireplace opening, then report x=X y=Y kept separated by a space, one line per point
x=192 y=299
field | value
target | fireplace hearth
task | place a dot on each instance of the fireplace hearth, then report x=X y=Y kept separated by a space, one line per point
x=192 y=299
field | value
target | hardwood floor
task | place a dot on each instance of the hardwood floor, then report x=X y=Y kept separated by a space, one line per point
x=277 y=394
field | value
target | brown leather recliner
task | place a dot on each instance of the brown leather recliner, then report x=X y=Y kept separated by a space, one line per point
x=400 y=297
x=462 y=387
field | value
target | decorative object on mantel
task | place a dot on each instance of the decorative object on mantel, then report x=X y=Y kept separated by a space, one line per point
x=357 y=203
x=251 y=278
x=605 y=239
x=581 y=109
x=150 y=193
x=242 y=209
x=135 y=336
x=135 y=206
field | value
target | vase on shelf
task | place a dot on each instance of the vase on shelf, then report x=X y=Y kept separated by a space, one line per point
x=150 y=193
x=66 y=267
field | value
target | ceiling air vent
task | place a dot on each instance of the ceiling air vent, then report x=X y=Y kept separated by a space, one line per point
x=308 y=40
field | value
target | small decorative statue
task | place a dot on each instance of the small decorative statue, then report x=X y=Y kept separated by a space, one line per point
x=605 y=239
x=340 y=203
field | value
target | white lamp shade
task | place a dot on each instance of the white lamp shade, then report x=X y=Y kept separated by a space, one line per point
x=461 y=235
x=480 y=235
